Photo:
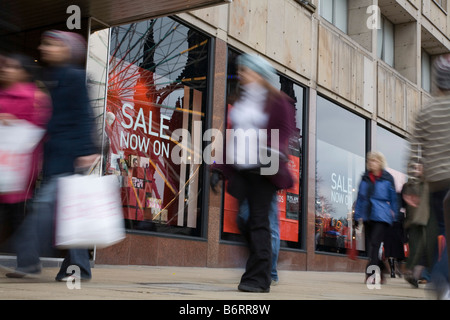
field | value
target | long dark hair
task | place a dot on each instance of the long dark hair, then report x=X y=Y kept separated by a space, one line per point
x=27 y=63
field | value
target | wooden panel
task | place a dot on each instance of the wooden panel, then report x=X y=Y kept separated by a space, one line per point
x=325 y=58
x=289 y=40
x=342 y=69
x=412 y=105
x=248 y=22
x=397 y=99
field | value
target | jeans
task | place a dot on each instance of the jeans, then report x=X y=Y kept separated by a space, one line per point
x=243 y=216
x=35 y=236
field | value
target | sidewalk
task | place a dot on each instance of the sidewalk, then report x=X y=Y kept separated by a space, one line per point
x=185 y=283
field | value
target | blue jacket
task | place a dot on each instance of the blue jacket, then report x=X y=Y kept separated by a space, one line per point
x=377 y=202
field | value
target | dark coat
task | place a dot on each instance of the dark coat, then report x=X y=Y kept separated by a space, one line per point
x=71 y=126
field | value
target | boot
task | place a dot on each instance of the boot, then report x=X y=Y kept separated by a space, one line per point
x=392 y=266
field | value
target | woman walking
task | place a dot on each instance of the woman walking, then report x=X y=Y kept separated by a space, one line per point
x=261 y=108
x=376 y=207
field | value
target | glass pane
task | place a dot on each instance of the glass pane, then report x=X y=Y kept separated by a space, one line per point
x=289 y=201
x=388 y=45
x=340 y=14
x=157 y=85
x=340 y=162
x=326 y=9
x=396 y=151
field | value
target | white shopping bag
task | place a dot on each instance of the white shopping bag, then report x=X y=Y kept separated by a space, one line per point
x=18 y=140
x=89 y=212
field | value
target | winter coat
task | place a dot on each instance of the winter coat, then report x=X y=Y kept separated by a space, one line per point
x=70 y=131
x=377 y=201
x=26 y=102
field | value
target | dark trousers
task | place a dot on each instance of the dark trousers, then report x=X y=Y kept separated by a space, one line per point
x=259 y=192
x=375 y=232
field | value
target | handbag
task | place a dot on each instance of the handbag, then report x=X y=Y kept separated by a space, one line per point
x=89 y=212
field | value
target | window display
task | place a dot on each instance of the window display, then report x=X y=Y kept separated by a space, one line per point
x=157 y=86
x=340 y=162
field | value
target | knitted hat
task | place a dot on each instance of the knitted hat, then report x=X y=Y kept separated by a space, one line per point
x=442 y=72
x=260 y=66
x=74 y=41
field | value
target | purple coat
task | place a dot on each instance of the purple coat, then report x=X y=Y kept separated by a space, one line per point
x=282 y=117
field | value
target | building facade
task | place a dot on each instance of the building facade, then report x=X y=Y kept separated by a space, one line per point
x=358 y=72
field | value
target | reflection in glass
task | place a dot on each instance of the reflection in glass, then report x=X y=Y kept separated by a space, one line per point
x=340 y=154
x=396 y=151
x=156 y=85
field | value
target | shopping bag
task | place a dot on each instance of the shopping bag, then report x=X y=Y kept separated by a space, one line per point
x=18 y=139
x=89 y=212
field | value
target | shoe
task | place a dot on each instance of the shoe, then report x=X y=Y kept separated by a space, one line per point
x=413 y=281
x=28 y=272
x=274 y=282
x=247 y=288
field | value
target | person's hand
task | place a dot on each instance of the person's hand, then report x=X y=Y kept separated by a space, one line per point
x=412 y=200
x=87 y=161
x=6 y=118
x=215 y=178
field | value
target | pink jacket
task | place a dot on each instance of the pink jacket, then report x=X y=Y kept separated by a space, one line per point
x=25 y=101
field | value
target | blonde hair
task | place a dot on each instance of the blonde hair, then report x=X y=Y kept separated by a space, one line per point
x=376 y=155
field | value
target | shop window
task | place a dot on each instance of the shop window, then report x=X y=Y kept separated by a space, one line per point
x=156 y=99
x=336 y=12
x=396 y=151
x=340 y=163
x=385 y=47
x=426 y=71
x=289 y=201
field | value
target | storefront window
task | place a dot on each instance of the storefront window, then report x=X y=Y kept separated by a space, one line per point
x=396 y=151
x=157 y=86
x=289 y=201
x=340 y=162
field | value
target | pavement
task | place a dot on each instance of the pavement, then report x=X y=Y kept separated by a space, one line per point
x=113 y=282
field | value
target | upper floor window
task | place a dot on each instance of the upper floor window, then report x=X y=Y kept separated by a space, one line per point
x=336 y=12
x=385 y=48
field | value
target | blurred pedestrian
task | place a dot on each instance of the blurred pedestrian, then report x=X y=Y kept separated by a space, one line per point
x=69 y=145
x=20 y=99
x=376 y=206
x=263 y=113
x=394 y=241
x=415 y=194
x=430 y=145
